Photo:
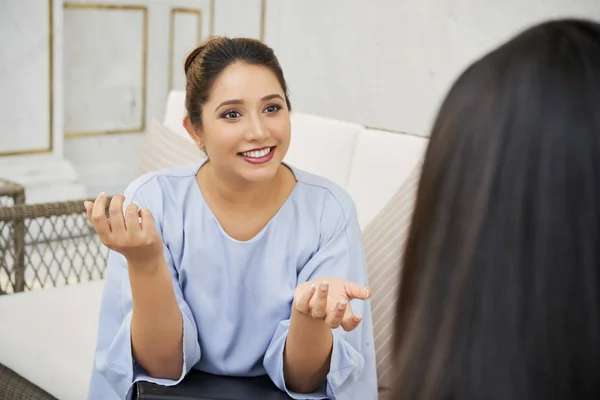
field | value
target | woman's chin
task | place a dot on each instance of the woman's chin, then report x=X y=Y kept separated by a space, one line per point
x=263 y=173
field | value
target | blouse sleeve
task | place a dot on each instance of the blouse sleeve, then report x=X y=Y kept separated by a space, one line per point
x=352 y=373
x=114 y=359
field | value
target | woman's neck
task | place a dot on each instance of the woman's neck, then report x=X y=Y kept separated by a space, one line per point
x=236 y=193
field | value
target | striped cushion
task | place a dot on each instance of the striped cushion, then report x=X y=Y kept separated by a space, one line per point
x=163 y=148
x=384 y=240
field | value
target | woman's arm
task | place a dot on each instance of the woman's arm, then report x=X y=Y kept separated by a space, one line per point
x=320 y=306
x=307 y=353
x=309 y=357
x=156 y=325
x=146 y=329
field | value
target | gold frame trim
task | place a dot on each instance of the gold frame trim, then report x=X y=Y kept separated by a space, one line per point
x=211 y=19
x=263 y=17
x=50 y=147
x=177 y=10
x=119 y=7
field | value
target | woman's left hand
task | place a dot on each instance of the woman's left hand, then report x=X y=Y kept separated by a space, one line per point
x=328 y=300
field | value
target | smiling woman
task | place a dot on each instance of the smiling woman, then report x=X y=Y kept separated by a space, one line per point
x=242 y=265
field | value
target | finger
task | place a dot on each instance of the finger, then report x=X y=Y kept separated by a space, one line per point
x=304 y=299
x=147 y=220
x=88 y=205
x=319 y=302
x=132 y=222
x=115 y=211
x=334 y=318
x=351 y=321
x=98 y=217
x=356 y=291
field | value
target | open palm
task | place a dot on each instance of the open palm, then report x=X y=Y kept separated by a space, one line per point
x=328 y=299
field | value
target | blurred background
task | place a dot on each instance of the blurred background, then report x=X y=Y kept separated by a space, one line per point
x=81 y=80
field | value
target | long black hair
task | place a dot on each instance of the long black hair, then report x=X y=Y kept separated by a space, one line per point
x=500 y=288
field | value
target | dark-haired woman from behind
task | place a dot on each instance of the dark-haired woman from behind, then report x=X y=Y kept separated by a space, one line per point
x=242 y=265
x=500 y=288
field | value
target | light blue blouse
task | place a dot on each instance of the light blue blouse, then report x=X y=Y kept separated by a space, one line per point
x=236 y=296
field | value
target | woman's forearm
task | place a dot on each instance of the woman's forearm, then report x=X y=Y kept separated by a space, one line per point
x=157 y=325
x=307 y=353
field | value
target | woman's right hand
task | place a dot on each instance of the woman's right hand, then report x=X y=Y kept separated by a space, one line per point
x=132 y=233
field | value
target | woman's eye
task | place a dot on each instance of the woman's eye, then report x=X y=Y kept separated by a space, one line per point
x=231 y=115
x=272 y=108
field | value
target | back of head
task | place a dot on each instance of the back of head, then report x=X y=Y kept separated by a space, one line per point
x=500 y=289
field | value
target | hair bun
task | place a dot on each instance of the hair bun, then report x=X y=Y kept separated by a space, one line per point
x=192 y=56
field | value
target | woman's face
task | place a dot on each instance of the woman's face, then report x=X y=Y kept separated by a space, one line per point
x=245 y=123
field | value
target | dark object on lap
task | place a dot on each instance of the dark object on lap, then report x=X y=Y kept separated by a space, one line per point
x=202 y=386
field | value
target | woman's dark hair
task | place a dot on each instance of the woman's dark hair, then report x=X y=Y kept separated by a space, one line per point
x=500 y=289
x=204 y=64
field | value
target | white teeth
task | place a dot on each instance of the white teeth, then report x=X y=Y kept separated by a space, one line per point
x=257 y=153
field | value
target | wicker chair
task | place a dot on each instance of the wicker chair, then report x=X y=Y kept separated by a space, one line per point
x=42 y=246
x=47 y=245
x=11 y=193
x=15 y=387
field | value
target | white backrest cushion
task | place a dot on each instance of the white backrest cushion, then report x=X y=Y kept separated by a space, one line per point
x=175 y=111
x=162 y=148
x=382 y=162
x=322 y=146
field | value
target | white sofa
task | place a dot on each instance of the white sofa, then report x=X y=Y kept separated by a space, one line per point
x=48 y=336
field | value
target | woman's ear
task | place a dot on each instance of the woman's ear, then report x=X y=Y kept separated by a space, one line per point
x=194 y=132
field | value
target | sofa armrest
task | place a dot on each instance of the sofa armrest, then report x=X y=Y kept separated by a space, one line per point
x=46 y=245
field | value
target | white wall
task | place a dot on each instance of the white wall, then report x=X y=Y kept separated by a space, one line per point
x=117 y=79
x=81 y=84
x=382 y=63
x=388 y=63
x=238 y=18
x=106 y=161
x=25 y=74
x=31 y=112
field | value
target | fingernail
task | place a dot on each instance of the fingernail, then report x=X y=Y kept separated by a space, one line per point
x=357 y=318
x=367 y=293
x=312 y=288
x=342 y=305
x=102 y=194
x=324 y=286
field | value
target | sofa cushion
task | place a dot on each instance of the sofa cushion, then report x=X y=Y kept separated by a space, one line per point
x=48 y=336
x=175 y=112
x=382 y=161
x=384 y=239
x=322 y=146
x=162 y=148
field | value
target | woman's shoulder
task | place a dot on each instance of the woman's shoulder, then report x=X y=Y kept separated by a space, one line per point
x=155 y=185
x=319 y=191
